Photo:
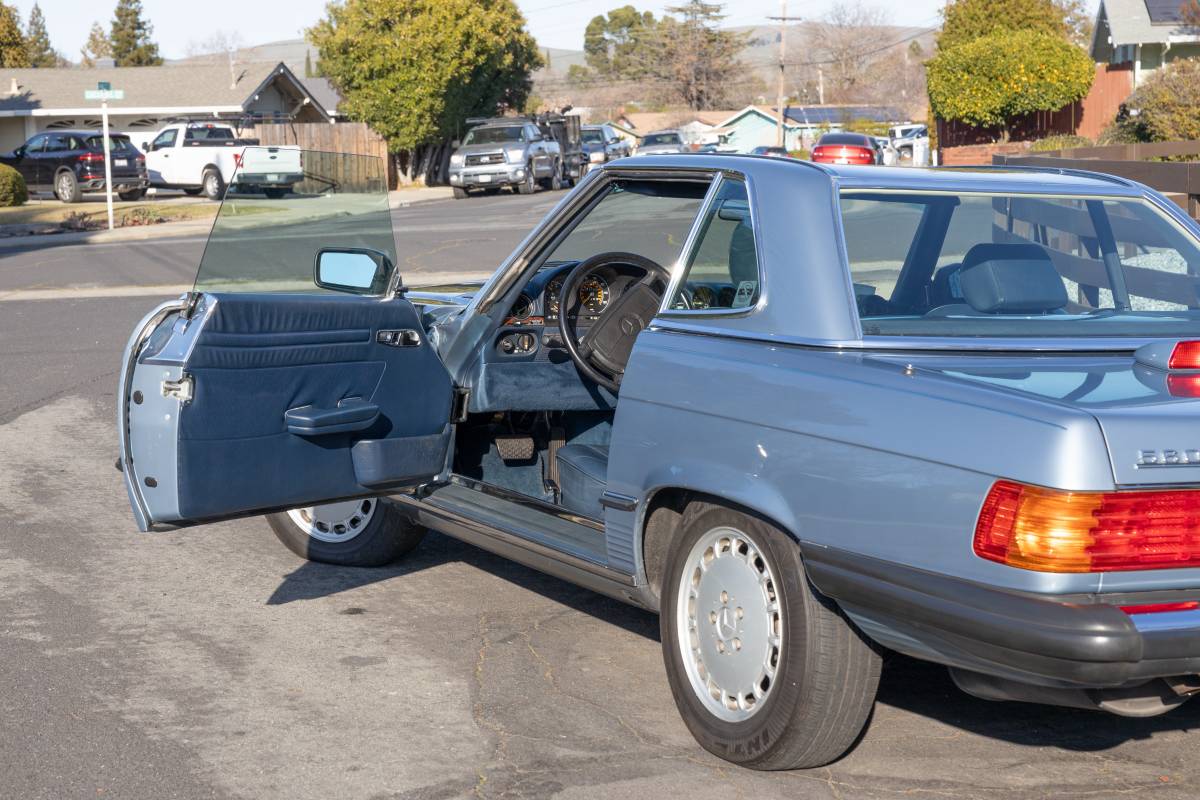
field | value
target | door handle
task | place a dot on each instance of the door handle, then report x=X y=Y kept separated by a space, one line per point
x=351 y=414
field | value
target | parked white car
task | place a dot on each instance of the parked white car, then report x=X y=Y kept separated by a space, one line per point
x=206 y=157
x=911 y=143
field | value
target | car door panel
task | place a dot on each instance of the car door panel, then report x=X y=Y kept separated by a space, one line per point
x=228 y=413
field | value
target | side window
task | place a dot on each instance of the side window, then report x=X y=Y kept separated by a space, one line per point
x=58 y=144
x=37 y=144
x=165 y=139
x=722 y=270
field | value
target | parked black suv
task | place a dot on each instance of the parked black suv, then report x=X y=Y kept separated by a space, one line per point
x=70 y=163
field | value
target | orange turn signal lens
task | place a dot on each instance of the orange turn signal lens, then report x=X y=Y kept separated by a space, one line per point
x=1053 y=531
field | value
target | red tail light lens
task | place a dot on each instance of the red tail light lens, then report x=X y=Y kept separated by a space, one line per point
x=92 y=158
x=1051 y=531
x=1158 y=608
x=1186 y=355
x=237 y=160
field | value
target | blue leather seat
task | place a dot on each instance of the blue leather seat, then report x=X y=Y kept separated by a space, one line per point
x=582 y=476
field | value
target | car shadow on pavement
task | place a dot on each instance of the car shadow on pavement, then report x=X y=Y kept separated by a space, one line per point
x=927 y=689
x=312 y=580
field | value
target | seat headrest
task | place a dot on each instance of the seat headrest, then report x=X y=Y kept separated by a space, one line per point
x=743 y=260
x=1011 y=279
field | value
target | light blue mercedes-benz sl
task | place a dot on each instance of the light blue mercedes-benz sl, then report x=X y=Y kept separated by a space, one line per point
x=806 y=413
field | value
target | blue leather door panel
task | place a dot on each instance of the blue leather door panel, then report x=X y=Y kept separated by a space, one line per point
x=293 y=401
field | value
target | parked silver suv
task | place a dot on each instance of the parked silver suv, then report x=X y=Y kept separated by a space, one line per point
x=506 y=153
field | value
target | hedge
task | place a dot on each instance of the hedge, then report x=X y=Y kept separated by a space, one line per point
x=12 y=187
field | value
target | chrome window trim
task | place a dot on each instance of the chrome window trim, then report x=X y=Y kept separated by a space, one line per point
x=679 y=270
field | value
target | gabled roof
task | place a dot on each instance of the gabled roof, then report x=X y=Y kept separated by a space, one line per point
x=1139 y=22
x=166 y=88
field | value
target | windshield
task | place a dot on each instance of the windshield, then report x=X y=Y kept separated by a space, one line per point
x=1019 y=265
x=593 y=137
x=662 y=138
x=513 y=133
x=282 y=207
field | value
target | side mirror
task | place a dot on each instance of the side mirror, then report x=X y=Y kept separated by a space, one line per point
x=146 y=148
x=455 y=144
x=19 y=152
x=352 y=270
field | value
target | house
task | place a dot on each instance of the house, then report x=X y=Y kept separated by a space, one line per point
x=696 y=127
x=33 y=100
x=1144 y=33
x=757 y=125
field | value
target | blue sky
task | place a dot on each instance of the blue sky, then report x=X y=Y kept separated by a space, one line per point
x=555 y=23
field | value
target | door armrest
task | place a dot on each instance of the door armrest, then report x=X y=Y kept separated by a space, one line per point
x=351 y=414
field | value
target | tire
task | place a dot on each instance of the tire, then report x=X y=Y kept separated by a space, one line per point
x=274 y=193
x=460 y=193
x=66 y=187
x=212 y=184
x=375 y=532
x=816 y=704
x=132 y=194
x=193 y=191
x=556 y=181
x=529 y=185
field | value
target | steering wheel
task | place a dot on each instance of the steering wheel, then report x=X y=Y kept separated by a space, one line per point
x=603 y=353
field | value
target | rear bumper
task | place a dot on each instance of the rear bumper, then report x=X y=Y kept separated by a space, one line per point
x=89 y=183
x=269 y=178
x=1082 y=642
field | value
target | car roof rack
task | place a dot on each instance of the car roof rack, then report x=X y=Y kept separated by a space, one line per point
x=1078 y=173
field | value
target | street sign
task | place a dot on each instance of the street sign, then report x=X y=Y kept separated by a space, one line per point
x=104 y=94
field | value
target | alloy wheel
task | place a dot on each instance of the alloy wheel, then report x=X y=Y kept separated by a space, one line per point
x=335 y=522
x=730 y=621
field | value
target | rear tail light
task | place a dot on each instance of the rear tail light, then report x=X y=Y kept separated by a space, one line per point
x=1053 y=531
x=1186 y=355
x=92 y=158
x=237 y=160
x=1158 y=608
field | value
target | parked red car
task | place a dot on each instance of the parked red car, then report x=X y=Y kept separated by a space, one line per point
x=845 y=148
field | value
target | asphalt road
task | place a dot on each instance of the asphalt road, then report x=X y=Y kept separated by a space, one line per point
x=213 y=663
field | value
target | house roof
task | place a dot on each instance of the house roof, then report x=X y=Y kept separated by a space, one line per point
x=1139 y=22
x=801 y=116
x=645 y=121
x=159 y=89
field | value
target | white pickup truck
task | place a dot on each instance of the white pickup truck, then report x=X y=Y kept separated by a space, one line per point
x=206 y=157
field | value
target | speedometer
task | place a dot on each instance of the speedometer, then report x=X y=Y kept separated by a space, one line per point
x=593 y=295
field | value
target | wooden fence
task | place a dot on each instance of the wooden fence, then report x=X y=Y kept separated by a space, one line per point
x=1179 y=180
x=343 y=137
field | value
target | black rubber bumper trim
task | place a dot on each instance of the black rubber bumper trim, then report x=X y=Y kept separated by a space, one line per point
x=989 y=629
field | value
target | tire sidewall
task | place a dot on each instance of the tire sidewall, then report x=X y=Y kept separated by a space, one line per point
x=212 y=185
x=66 y=187
x=750 y=740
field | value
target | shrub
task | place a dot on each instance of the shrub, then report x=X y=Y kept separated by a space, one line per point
x=803 y=154
x=992 y=80
x=1061 y=142
x=1166 y=107
x=12 y=187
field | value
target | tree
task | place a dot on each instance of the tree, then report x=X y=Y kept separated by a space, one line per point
x=96 y=46
x=991 y=80
x=37 y=41
x=851 y=39
x=130 y=37
x=621 y=45
x=414 y=70
x=13 y=51
x=697 y=59
x=1189 y=12
x=966 y=20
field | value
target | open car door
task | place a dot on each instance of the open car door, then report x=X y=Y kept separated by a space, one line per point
x=295 y=373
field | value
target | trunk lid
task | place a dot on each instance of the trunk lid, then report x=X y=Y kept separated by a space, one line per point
x=1152 y=436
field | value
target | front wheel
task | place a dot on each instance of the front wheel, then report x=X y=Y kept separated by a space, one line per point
x=460 y=193
x=766 y=672
x=370 y=532
x=529 y=185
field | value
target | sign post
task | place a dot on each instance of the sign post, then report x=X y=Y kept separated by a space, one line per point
x=104 y=92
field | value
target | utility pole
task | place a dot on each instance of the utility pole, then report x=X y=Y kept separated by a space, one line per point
x=780 y=94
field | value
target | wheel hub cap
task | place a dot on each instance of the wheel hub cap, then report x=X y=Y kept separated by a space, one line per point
x=335 y=522
x=729 y=618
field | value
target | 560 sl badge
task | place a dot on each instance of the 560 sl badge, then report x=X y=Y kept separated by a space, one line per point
x=1168 y=458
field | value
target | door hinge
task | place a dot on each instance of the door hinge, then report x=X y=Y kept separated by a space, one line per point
x=181 y=389
x=458 y=409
